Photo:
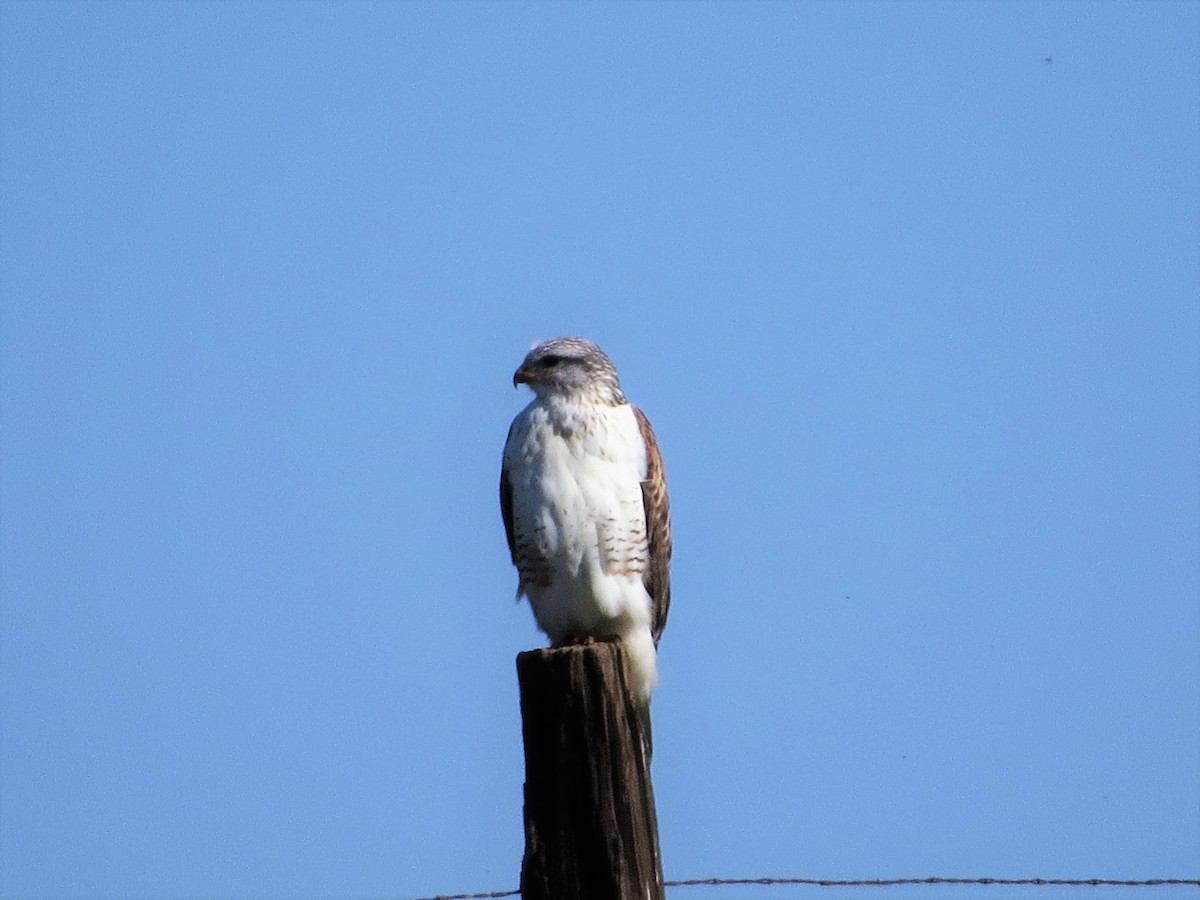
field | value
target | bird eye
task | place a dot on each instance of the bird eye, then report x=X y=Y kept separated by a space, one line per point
x=551 y=361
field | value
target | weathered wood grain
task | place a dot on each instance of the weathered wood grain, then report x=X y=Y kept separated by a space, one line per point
x=590 y=828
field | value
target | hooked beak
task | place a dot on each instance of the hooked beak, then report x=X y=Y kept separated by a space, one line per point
x=521 y=376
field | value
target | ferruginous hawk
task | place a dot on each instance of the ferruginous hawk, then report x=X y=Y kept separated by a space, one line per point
x=583 y=494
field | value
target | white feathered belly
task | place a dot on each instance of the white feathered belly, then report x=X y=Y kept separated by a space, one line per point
x=577 y=505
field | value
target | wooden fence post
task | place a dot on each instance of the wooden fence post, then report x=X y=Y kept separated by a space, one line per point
x=590 y=828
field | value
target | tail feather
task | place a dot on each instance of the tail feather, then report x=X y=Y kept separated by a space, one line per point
x=643 y=661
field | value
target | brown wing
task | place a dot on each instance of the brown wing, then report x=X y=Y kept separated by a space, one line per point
x=506 y=512
x=533 y=569
x=657 y=576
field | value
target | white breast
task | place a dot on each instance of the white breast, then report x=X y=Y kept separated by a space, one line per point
x=578 y=520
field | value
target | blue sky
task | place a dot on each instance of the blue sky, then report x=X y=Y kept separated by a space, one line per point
x=915 y=314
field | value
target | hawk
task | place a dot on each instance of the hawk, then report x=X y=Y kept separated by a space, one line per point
x=583 y=495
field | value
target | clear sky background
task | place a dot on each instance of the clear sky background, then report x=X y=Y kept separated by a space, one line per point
x=915 y=312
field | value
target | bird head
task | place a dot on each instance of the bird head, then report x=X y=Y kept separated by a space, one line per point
x=570 y=368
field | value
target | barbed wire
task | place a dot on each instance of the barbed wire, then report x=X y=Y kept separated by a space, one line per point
x=882 y=882
x=892 y=882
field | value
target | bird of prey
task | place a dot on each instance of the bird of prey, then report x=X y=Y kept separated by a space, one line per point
x=583 y=494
